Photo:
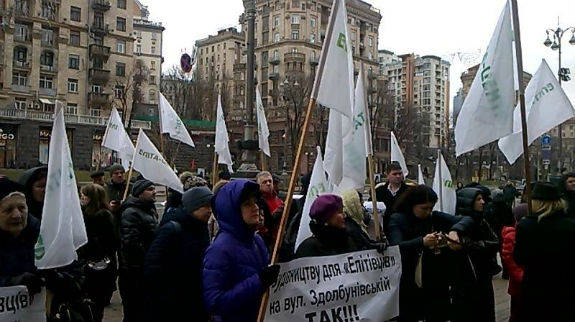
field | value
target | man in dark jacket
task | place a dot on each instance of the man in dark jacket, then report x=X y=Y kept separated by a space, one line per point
x=18 y=235
x=34 y=182
x=236 y=271
x=568 y=190
x=390 y=191
x=139 y=221
x=173 y=266
x=115 y=189
x=510 y=193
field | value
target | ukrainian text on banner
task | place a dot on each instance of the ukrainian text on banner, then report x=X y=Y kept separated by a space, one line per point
x=17 y=305
x=360 y=286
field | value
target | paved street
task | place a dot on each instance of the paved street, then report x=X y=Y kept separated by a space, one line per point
x=114 y=311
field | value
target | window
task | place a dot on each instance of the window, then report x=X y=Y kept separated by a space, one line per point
x=276 y=21
x=295 y=19
x=21 y=54
x=95 y=112
x=152 y=95
x=153 y=65
x=312 y=38
x=19 y=78
x=154 y=50
x=138 y=49
x=295 y=34
x=121 y=46
x=370 y=41
x=73 y=61
x=72 y=85
x=153 y=79
x=74 y=38
x=120 y=69
x=46 y=81
x=121 y=24
x=72 y=109
x=277 y=37
x=118 y=91
x=312 y=22
x=47 y=58
x=20 y=103
x=47 y=37
x=75 y=14
x=96 y=88
x=121 y=4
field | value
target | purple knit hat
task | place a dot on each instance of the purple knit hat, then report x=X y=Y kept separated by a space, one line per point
x=325 y=206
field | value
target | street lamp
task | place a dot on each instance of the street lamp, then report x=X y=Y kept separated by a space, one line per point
x=563 y=73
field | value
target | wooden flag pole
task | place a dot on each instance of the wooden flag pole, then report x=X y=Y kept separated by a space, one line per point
x=215 y=170
x=130 y=172
x=438 y=165
x=519 y=58
x=263 y=159
x=288 y=200
x=373 y=197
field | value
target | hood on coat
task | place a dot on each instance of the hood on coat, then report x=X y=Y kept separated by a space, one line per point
x=144 y=205
x=27 y=180
x=227 y=207
x=465 y=198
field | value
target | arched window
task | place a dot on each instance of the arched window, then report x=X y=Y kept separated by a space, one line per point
x=21 y=54
x=152 y=95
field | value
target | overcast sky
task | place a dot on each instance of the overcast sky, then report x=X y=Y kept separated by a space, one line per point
x=424 y=27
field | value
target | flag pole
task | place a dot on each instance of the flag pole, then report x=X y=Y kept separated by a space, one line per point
x=438 y=165
x=519 y=59
x=130 y=171
x=373 y=197
x=263 y=159
x=215 y=169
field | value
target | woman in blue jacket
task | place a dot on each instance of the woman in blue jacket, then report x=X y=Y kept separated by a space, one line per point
x=236 y=271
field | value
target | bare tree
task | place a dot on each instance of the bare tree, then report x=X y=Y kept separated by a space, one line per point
x=128 y=90
x=296 y=93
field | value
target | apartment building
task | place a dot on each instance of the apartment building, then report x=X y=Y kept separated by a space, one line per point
x=78 y=53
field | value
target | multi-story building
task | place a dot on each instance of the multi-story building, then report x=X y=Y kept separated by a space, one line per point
x=420 y=85
x=79 y=53
x=386 y=57
x=288 y=40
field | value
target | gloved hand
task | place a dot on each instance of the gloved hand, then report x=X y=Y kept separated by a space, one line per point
x=32 y=281
x=381 y=246
x=269 y=275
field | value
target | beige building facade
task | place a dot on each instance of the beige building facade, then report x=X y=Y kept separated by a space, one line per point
x=79 y=53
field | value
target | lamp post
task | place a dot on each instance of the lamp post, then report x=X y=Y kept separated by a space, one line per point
x=563 y=73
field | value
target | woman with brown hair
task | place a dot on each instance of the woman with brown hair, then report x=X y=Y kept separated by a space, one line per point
x=99 y=254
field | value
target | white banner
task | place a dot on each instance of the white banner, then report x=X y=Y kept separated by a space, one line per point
x=16 y=305
x=360 y=286
x=171 y=123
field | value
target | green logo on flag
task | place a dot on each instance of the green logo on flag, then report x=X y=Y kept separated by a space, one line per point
x=341 y=43
x=39 y=250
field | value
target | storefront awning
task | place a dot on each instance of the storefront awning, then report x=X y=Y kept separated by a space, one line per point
x=46 y=101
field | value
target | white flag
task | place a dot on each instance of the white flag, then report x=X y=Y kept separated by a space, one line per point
x=336 y=135
x=152 y=166
x=317 y=185
x=62 y=230
x=546 y=107
x=117 y=139
x=487 y=112
x=222 y=139
x=420 y=179
x=333 y=88
x=263 y=131
x=356 y=149
x=397 y=155
x=171 y=123
x=442 y=180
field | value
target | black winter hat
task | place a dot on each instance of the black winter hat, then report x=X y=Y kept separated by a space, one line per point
x=140 y=186
x=196 y=197
x=115 y=168
x=8 y=186
x=96 y=174
x=545 y=191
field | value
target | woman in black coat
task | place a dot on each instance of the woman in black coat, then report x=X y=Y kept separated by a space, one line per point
x=420 y=234
x=18 y=235
x=544 y=246
x=473 y=289
x=99 y=254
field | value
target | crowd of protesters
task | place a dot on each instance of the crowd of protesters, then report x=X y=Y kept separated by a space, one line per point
x=208 y=255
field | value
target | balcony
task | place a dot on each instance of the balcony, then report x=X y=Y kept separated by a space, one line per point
x=274 y=75
x=99 y=75
x=21 y=64
x=294 y=58
x=49 y=68
x=101 y=5
x=22 y=8
x=99 y=28
x=47 y=91
x=21 y=88
x=239 y=67
x=314 y=61
x=96 y=98
x=275 y=60
x=70 y=119
x=99 y=51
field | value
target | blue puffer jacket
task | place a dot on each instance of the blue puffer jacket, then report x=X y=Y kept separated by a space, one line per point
x=232 y=286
